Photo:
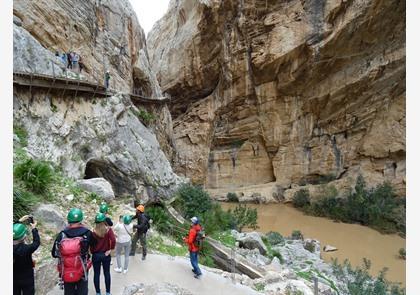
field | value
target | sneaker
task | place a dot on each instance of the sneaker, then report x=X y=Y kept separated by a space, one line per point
x=197 y=276
x=125 y=271
x=118 y=269
x=143 y=257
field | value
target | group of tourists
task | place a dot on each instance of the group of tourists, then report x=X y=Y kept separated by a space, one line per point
x=70 y=60
x=78 y=248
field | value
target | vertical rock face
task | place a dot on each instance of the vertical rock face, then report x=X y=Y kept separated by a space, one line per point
x=286 y=91
x=101 y=137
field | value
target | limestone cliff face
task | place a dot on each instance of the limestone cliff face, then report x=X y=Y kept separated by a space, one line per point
x=286 y=92
x=101 y=137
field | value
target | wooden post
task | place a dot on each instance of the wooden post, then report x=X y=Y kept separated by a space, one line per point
x=315 y=285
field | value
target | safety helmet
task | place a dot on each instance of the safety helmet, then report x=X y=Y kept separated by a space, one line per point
x=103 y=208
x=19 y=231
x=127 y=219
x=140 y=208
x=75 y=215
x=194 y=220
x=100 y=217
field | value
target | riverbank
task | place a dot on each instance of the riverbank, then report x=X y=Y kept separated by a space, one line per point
x=354 y=242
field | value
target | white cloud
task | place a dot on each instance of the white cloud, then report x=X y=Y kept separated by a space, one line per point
x=148 y=12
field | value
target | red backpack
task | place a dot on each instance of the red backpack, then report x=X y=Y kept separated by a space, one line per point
x=71 y=266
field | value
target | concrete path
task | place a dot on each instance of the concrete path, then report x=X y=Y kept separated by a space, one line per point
x=174 y=270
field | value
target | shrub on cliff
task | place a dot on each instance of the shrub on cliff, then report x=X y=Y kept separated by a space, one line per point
x=36 y=175
x=274 y=238
x=301 y=199
x=23 y=203
x=232 y=197
x=192 y=200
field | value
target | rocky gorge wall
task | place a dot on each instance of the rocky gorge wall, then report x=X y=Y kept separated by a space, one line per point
x=284 y=93
x=86 y=136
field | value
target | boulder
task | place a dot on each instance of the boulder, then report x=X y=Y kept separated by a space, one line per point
x=329 y=248
x=251 y=241
x=46 y=276
x=312 y=246
x=275 y=265
x=99 y=186
x=51 y=216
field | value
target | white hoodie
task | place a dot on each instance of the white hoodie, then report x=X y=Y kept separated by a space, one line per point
x=123 y=232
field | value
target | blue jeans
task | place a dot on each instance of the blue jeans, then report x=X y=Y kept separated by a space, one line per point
x=99 y=259
x=194 y=262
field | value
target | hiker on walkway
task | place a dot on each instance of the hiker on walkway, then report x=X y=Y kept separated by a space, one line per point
x=70 y=60
x=103 y=208
x=23 y=265
x=142 y=227
x=190 y=240
x=75 y=238
x=124 y=232
x=107 y=77
x=81 y=64
x=75 y=61
x=104 y=242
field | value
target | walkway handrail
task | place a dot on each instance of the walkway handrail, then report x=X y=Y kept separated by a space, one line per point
x=96 y=88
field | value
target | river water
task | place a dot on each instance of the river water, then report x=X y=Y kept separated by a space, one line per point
x=353 y=241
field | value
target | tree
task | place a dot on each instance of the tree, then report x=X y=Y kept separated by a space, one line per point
x=245 y=217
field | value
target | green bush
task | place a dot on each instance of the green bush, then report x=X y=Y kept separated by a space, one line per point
x=301 y=198
x=378 y=207
x=358 y=281
x=402 y=253
x=145 y=116
x=21 y=133
x=296 y=235
x=232 y=197
x=36 y=175
x=23 y=203
x=274 y=238
x=193 y=200
x=217 y=220
x=244 y=217
x=161 y=219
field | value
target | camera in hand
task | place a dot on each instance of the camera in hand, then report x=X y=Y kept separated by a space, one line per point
x=31 y=219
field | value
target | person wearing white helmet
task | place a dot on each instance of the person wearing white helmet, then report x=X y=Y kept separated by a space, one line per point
x=193 y=247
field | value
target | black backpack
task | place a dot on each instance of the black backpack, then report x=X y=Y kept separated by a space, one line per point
x=199 y=238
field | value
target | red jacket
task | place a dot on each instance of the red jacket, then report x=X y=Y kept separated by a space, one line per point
x=103 y=244
x=191 y=238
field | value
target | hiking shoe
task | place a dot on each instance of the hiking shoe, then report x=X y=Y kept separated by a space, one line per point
x=143 y=257
x=197 y=276
x=118 y=269
x=125 y=271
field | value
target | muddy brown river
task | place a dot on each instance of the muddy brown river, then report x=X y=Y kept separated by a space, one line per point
x=353 y=241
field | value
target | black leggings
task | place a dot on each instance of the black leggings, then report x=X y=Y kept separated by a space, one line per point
x=24 y=287
x=99 y=259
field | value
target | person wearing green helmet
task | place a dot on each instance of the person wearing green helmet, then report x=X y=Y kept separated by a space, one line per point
x=124 y=231
x=23 y=266
x=74 y=236
x=103 y=208
x=104 y=242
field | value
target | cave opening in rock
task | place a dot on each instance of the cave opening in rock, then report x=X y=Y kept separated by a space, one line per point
x=120 y=182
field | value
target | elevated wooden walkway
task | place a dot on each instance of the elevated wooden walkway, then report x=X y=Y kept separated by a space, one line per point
x=35 y=80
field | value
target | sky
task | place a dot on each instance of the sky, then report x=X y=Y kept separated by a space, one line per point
x=149 y=11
